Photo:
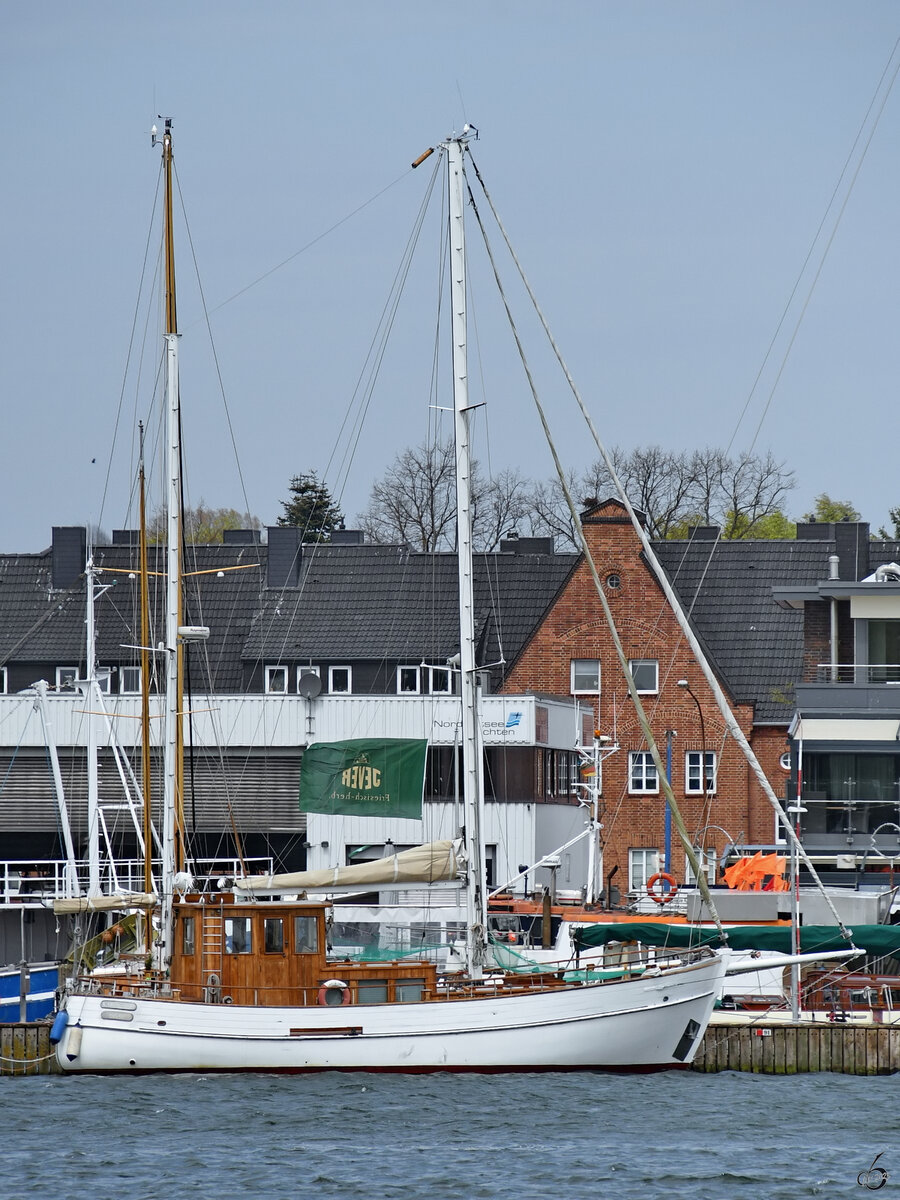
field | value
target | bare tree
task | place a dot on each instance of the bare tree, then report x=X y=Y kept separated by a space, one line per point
x=502 y=505
x=752 y=489
x=201 y=524
x=550 y=516
x=415 y=499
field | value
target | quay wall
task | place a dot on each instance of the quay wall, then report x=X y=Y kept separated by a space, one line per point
x=783 y=1049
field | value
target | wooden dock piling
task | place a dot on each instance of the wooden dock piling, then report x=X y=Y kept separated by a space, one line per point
x=25 y=1050
x=780 y=1048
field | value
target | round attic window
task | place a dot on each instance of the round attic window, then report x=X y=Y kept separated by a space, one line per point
x=613 y=582
x=785 y=760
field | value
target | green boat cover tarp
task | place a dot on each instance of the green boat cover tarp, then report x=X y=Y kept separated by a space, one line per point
x=876 y=940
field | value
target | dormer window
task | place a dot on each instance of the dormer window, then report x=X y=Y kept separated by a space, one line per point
x=340 y=680
x=277 y=680
x=65 y=678
x=408 y=681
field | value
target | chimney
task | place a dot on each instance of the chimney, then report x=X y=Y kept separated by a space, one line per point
x=284 y=556
x=126 y=537
x=347 y=537
x=241 y=537
x=527 y=545
x=851 y=540
x=68 y=555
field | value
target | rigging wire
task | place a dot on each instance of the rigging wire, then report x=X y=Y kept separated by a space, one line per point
x=829 y=207
x=309 y=245
x=130 y=347
x=733 y=726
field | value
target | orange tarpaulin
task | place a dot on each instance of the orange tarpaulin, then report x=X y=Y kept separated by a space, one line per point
x=749 y=874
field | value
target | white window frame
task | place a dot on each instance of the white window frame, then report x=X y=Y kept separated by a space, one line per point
x=447 y=673
x=104 y=679
x=62 y=674
x=340 y=691
x=403 y=691
x=271 y=672
x=131 y=671
x=635 y=664
x=643 y=864
x=693 y=783
x=642 y=770
x=4 y=681
x=573 y=672
x=709 y=866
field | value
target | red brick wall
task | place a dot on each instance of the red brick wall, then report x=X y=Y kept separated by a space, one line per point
x=576 y=628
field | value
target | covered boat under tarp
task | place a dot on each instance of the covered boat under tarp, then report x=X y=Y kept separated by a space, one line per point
x=875 y=940
x=434 y=862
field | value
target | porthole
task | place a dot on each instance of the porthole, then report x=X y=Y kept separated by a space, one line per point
x=613 y=582
x=785 y=760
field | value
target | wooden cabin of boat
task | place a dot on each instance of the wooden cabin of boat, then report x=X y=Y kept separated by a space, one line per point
x=234 y=951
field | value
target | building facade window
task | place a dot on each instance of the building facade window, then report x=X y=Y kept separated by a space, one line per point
x=408 y=681
x=707 y=862
x=642 y=865
x=694 y=784
x=646 y=675
x=585 y=676
x=340 y=680
x=65 y=678
x=129 y=680
x=3 y=681
x=440 y=681
x=642 y=773
x=104 y=679
x=277 y=680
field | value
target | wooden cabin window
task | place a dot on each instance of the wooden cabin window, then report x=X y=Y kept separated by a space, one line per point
x=409 y=991
x=373 y=991
x=238 y=939
x=273 y=929
x=187 y=935
x=306 y=935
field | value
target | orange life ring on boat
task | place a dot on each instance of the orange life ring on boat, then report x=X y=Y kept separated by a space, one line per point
x=334 y=985
x=662 y=897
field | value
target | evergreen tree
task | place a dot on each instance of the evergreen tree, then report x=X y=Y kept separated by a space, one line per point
x=311 y=508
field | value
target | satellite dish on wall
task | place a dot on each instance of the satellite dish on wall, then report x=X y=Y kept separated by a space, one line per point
x=309 y=685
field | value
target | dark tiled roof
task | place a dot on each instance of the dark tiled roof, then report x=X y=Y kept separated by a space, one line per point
x=41 y=625
x=726 y=587
x=373 y=602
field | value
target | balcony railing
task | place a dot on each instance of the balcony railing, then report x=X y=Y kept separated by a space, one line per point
x=38 y=882
x=861 y=673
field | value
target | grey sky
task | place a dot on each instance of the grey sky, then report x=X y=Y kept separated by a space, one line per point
x=662 y=168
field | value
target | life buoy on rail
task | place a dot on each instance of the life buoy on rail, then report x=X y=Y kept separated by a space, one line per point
x=662 y=897
x=334 y=991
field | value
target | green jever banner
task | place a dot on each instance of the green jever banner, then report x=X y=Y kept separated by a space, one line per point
x=364 y=777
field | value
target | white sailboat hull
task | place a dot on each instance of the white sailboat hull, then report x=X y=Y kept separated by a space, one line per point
x=642 y=1023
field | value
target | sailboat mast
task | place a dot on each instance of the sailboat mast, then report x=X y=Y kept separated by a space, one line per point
x=93 y=783
x=172 y=773
x=146 y=780
x=473 y=768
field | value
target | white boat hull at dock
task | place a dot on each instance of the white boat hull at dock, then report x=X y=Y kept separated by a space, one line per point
x=643 y=1023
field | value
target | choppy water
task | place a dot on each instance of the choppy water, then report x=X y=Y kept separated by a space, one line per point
x=522 y=1137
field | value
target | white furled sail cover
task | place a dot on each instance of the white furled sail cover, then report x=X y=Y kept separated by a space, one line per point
x=435 y=862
